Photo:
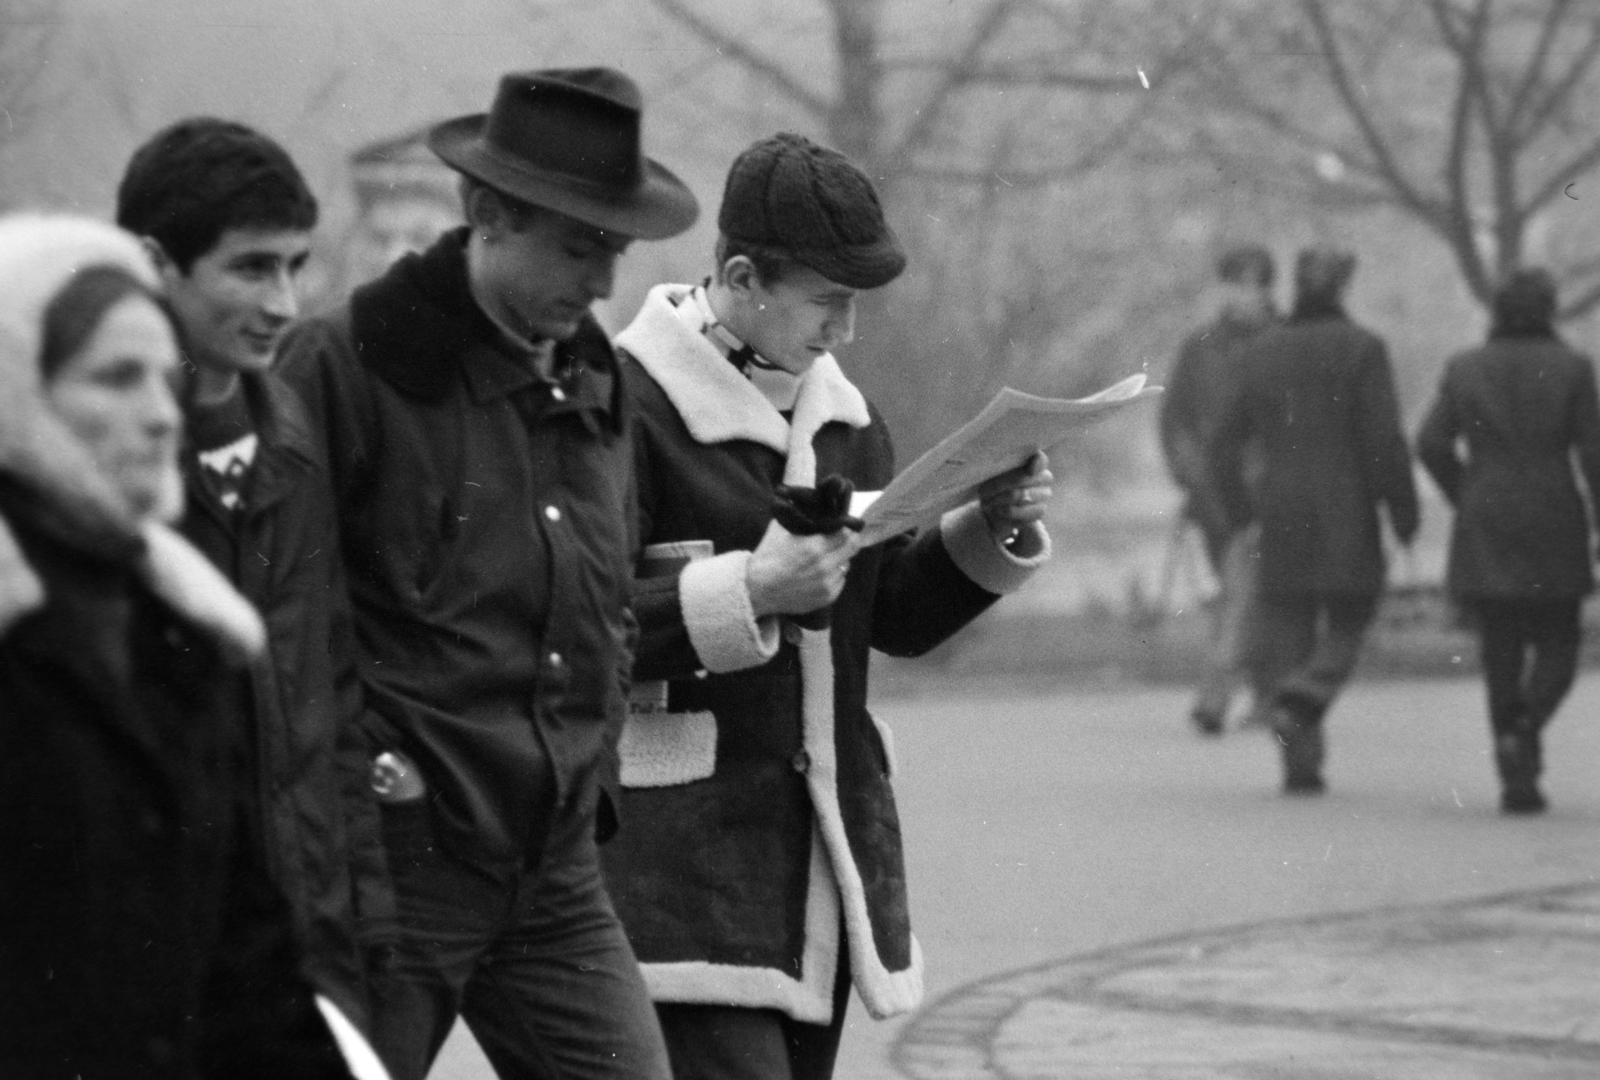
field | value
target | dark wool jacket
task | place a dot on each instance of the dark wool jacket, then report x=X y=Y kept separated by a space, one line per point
x=1525 y=408
x=322 y=827
x=760 y=823
x=1316 y=397
x=483 y=520
x=142 y=938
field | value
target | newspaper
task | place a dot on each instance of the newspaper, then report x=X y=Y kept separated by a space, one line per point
x=1011 y=428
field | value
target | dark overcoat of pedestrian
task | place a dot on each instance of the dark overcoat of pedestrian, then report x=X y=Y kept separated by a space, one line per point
x=1511 y=420
x=281 y=549
x=1317 y=397
x=142 y=938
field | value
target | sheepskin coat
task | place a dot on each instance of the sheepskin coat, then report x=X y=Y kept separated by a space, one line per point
x=760 y=826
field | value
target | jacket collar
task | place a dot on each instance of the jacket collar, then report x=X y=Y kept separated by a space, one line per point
x=717 y=403
x=417 y=327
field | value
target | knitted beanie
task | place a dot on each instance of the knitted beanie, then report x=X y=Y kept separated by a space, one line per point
x=811 y=204
x=1323 y=271
x=1525 y=304
x=1246 y=264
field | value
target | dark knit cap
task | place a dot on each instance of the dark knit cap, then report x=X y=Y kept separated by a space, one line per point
x=1525 y=303
x=1323 y=270
x=810 y=203
x=1247 y=264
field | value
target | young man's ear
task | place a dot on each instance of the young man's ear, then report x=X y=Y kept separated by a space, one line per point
x=486 y=212
x=165 y=265
x=740 y=274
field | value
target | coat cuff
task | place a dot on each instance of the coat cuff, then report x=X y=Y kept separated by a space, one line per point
x=722 y=625
x=991 y=567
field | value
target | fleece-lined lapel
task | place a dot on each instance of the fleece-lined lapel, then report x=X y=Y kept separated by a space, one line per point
x=718 y=404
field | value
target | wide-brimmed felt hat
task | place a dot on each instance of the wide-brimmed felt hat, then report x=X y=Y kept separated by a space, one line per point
x=569 y=140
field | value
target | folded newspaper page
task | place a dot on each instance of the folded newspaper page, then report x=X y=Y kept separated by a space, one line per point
x=1011 y=428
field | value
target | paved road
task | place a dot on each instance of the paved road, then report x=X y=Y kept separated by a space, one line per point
x=1042 y=828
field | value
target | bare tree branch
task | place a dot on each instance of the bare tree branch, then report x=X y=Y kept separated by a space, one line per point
x=1456 y=223
x=1564 y=174
x=1533 y=74
x=1585 y=303
x=931 y=112
x=1382 y=155
x=753 y=61
x=1562 y=88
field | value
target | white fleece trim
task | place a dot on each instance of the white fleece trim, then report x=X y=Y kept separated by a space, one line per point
x=808 y=999
x=989 y=564
x=886 y=737
x=717 y=403
x=177 y=572
x=21 y=591
x=359 y=1057
x=665 y=749
x=885 y=993
x=722 y=625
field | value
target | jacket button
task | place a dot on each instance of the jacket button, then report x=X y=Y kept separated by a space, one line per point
x=792 y=633
x=801 y=762
x=552 y=513
x=555 y=659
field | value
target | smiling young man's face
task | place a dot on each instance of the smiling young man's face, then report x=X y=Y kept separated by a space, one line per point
x=797 y=318
x=236 y=302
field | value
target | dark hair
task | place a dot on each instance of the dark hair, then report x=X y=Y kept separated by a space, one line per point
x=75 y=312
x=198 y=178
x=1247 y=264
x=772 y=263
x=1524 y=305
x=520 y=211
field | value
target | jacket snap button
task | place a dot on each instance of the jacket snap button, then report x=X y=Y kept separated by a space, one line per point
x=555 y=659
x=553 y=513
x=792 y=633
x=801 y=761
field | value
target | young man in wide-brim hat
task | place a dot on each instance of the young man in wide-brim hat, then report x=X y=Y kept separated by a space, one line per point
x=760 y=873
x=472 y=411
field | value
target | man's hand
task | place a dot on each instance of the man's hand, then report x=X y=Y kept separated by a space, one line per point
x=1014 y=500
x=791 y=575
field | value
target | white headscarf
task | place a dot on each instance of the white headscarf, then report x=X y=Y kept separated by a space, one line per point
x=39 y=254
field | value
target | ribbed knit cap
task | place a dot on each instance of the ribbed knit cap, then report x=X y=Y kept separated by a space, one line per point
x=1323 y=270
x=788 y=193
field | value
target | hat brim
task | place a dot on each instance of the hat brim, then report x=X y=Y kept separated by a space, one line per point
x=866 y=266
x=661 y=206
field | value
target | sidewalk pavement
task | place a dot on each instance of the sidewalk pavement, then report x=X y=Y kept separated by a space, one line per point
x=1058 y=834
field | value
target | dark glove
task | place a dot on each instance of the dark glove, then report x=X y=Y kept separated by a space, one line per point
x=812 y=511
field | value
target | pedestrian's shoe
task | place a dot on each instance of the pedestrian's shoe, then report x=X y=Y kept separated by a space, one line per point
x=1298 y=728
x=1205 y=721
x=1517 y=756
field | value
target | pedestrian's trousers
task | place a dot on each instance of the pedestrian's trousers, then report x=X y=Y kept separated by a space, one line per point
x=538 y=966
x=1530 y=657
x=1307 y=645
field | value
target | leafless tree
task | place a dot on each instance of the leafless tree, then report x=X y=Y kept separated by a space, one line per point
x=1475 y=117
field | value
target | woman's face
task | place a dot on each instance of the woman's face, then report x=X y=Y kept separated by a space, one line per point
x=115 y=395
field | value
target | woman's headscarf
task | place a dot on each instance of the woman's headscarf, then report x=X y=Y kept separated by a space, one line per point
x=39 y=255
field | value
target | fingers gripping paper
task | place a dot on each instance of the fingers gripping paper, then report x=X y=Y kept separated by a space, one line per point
x=1011 y=428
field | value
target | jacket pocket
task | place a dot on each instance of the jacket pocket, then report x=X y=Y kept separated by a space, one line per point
x=663 y=749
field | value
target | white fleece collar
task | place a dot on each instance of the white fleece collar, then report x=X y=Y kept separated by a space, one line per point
x=718 y=404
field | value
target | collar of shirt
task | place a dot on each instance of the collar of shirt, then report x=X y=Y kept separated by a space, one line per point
x=779 y=387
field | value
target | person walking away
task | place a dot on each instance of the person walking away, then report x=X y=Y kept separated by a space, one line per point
x=1316 y=397
x=1202 y=378
x=1510 y=421
x=760 y=873
x=143 y=939
x=227 y=218
x=473 y=414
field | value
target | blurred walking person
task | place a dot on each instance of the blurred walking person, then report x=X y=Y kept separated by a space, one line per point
x=1316 y=398
x=1203 y=377
x=1511 y=420
x=227 y=218
x=141 y=937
